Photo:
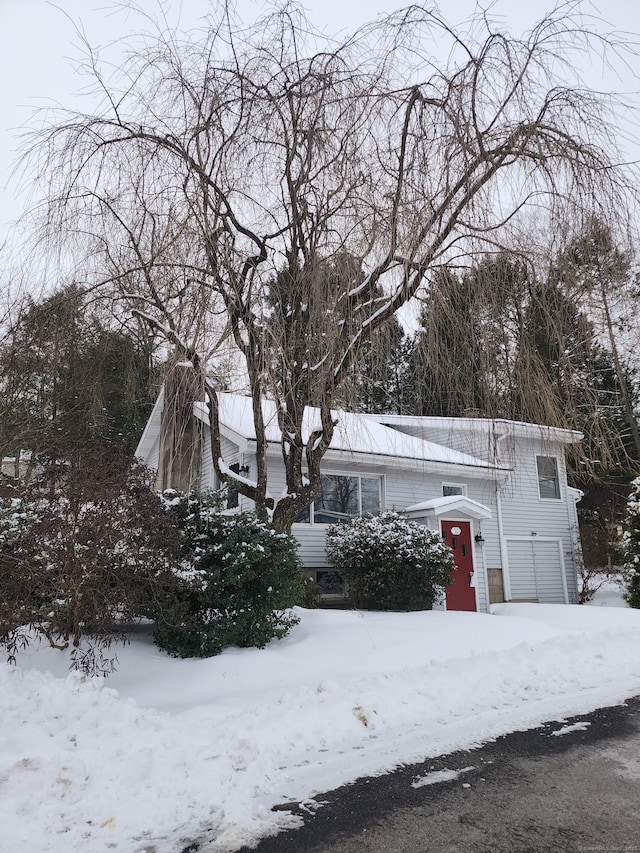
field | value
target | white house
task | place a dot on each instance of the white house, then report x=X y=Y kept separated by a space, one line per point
x=496 y=489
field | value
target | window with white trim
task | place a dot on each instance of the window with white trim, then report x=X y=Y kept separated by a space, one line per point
x=342 y=496
x=548 y=478
x=452 y=489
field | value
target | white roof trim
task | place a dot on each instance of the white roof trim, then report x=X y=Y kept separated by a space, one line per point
x=451 y=504
x=151 y=431
x=576 y=494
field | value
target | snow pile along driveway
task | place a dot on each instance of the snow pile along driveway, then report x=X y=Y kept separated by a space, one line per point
x=169 y=752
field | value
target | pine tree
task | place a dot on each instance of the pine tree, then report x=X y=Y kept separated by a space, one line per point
x=68 y=381
x=373 y=384
x=461 y=359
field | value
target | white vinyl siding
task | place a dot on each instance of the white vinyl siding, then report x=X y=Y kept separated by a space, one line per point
x=153 y=460
x=311 y=549
x=230 y=454
x=525 y=515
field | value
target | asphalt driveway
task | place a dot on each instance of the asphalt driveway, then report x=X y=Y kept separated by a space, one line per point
x=577 y=791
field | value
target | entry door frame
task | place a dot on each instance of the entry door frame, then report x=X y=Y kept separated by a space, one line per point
x=474 y=562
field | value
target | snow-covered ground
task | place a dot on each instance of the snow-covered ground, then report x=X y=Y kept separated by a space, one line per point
x=167 y=752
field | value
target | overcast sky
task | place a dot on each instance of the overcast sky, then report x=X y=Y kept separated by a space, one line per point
x=38 y=45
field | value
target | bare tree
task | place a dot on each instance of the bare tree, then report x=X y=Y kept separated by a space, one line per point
x=220 y=159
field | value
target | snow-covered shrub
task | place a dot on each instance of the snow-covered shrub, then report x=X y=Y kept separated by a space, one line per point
x=390 y=562
x=241 y=582
x=82 y=552
x=195 y=512
x=631 y=546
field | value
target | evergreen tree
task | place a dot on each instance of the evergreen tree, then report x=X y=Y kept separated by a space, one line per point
x=68 y=381
x=122 y=392
x=446 y=341
x=595 y=274
x=373 y=384
x=600 y=274
x=461 y=359
x=557 y=355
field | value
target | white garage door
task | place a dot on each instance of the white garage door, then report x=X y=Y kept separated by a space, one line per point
x=536 y=570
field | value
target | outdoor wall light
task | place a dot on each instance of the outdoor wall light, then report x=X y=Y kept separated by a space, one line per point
x=479 y=538
x=244 y=470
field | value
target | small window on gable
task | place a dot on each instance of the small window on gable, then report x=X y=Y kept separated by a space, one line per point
x=548 y=479
x=451 y=489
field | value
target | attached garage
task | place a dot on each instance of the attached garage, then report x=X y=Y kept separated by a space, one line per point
x=536 y=569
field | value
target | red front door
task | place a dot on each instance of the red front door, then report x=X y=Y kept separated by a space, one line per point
x=460 y=594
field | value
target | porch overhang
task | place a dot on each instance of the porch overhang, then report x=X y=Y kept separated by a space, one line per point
x=449 y=506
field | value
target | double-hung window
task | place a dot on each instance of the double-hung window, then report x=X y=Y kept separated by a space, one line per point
x=548 y=478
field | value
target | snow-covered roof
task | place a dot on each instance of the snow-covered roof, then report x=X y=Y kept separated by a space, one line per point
x=495 y=426
x=450 y=503
x=353 y=434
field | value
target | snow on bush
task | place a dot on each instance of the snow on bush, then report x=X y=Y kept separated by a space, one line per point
x=81 y=552
x=390 y=562
x=243 y=579
x=631 y=546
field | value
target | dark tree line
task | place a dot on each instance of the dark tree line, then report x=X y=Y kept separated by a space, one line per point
x=499 y=338
x=69 y=380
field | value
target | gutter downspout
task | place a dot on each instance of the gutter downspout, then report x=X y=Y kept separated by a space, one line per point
x=504 y=559
x=506 y=581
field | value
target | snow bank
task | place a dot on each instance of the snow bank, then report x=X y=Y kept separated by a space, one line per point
x=167 y=752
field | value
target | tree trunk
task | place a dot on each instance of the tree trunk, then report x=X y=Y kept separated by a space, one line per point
x=180 y=444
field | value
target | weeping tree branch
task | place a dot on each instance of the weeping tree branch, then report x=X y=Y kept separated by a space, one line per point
x=289 y=193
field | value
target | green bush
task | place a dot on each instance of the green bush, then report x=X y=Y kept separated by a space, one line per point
x=235 y=589
x=195 y=512
x=310 y=593
x=631 y=546
x=390 y=562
